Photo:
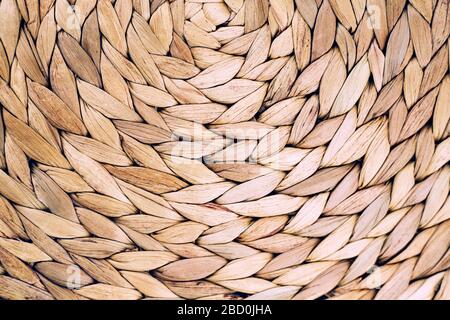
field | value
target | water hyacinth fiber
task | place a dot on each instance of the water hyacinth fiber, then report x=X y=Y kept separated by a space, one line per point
x=224 y=149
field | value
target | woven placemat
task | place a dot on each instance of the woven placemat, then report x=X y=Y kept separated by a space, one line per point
x=224 y=149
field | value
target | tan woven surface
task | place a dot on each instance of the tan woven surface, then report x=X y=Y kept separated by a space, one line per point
x=224 y=149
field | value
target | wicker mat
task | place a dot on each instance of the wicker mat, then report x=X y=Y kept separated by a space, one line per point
x=224 y=149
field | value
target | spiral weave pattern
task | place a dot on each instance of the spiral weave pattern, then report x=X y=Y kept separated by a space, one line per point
x=224 y=149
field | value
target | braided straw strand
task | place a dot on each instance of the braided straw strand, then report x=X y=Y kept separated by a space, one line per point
x=225 y=149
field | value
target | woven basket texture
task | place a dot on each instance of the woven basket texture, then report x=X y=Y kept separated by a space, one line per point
x=224 y=149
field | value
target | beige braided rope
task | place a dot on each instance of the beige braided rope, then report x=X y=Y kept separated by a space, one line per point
x=224 y=149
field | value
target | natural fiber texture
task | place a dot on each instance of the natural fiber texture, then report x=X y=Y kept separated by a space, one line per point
x=224 y=149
